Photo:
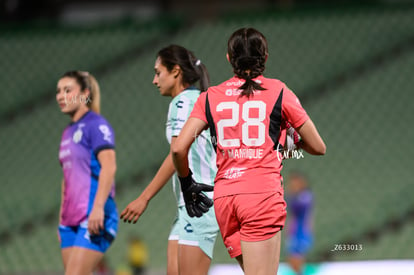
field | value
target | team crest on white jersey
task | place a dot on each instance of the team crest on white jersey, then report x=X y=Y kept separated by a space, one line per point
x=106 y=132
x=77 y=136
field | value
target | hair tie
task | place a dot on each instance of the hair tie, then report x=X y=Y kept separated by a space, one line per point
x=198 y=62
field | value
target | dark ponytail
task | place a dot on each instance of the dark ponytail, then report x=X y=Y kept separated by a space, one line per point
x=247 y=50
x=193 y=69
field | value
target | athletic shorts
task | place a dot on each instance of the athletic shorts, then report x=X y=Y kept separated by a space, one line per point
x=79 y=236
x=298 y=246
x=250 y=218
x=201 y=232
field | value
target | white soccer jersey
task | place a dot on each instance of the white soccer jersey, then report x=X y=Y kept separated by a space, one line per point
x=202 y=156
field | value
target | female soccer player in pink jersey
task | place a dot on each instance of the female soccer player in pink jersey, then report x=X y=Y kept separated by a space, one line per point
x=246 y=116
x=191 y=240
x=88 y=216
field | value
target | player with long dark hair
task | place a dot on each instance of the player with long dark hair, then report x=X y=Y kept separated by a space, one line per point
x=191 y=241
x=247 y=115
x=88 y=216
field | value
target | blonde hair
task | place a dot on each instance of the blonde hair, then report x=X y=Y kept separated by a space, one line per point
x=95 y=95
x=88 y=82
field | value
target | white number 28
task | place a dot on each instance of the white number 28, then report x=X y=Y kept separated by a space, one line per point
x=247 y=122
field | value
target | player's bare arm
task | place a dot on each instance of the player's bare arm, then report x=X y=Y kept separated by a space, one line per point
x=61 y=200
x=311 y=140
x=107 y=160
x=136 y=208
x=179 y=148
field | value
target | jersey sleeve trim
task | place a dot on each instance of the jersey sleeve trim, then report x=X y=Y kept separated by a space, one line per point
x=300 y=122
x=103 y=147
x=211 y=124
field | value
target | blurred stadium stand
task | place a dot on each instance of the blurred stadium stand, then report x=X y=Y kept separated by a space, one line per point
x=350 y=66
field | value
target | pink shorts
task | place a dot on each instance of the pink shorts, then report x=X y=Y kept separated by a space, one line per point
x=250 y=218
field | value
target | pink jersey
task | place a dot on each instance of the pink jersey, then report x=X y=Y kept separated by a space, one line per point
x=248 y=133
